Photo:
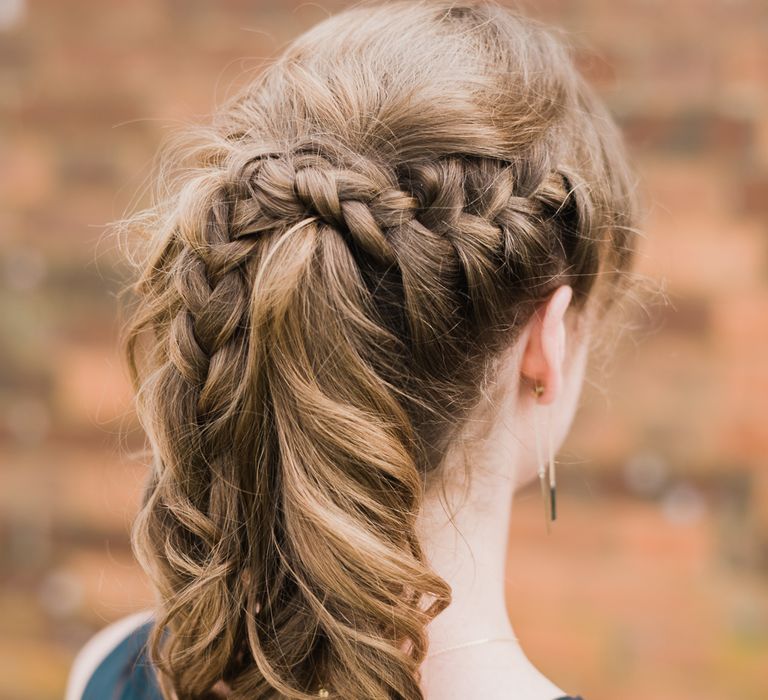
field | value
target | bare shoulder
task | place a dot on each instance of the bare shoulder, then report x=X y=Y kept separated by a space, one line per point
x=97 y=648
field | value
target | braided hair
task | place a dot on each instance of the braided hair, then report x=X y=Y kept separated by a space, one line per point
x=324 y=283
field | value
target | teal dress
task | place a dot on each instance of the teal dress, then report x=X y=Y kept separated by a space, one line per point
x=126 y=672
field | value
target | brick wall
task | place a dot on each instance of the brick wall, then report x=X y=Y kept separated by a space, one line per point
x=654 y=583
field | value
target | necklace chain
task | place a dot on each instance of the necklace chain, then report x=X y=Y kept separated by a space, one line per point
x=472 y=643
x=323 y=693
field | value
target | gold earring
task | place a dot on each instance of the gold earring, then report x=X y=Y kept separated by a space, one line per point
x=548 y=493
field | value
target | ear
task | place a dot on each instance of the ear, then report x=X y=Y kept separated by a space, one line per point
x=542 y=360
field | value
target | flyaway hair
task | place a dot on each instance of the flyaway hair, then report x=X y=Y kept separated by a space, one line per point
x=324 y=279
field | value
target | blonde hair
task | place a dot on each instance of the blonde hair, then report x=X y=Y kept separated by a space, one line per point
x=329 y=270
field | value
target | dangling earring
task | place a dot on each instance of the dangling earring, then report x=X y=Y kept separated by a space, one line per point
x=547 y=492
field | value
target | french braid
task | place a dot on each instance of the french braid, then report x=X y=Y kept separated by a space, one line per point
x=316 y=312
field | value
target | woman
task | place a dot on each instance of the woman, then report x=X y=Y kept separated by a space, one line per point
x=362 y=322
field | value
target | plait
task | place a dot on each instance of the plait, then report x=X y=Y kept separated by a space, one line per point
x=360 y=201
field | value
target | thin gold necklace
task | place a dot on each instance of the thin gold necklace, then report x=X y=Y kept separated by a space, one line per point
x=474 y=642
x=323 y=693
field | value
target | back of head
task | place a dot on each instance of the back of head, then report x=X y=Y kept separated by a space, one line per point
x=328 y=277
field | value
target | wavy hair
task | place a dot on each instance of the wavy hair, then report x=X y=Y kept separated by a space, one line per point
x=327 y=272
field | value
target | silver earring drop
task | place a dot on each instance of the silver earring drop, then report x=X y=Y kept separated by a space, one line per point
x=548 y=490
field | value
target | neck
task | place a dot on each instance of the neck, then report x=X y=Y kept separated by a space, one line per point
x=464 y=531
x=469 y=551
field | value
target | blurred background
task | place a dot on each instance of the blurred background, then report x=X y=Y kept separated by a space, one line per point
x=654 y=582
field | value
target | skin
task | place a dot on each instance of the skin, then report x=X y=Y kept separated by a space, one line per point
x=471 y=554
